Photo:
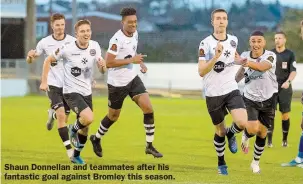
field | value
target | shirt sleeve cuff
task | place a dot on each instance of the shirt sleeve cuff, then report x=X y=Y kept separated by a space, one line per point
x=269 y=62
x=112 y=52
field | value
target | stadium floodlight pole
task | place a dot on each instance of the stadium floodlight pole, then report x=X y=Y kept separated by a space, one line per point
x=30 y=28
x=50 y=11
x=30 y=25
x=74 y=15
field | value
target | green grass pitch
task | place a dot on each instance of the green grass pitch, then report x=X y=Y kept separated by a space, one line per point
x=184 y=134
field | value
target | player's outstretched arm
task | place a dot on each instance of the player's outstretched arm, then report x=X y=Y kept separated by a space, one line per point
x=45 y=70
x=261 y=66
x=31 y=56
x=112 y=62
x=206 y=66
x=240 y=74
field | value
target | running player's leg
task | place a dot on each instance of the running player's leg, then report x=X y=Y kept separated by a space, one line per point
x=236 y=106
x=82 y=106
x=266 y=117
x=252 y=126
x=87 y=116
x=84 y=113
x=217 y=111
x=139 y=95
x=259 y=147
x=54 y=96
x=219 y=143
x=58 y=104
x=116 y=96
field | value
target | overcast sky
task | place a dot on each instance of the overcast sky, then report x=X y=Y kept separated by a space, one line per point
x=293 y=3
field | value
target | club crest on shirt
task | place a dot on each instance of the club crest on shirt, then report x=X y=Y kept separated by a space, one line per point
x=114 y=47
x=92 y=52
x=233 y=43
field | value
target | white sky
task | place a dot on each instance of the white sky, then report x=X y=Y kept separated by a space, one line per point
x=293 y=3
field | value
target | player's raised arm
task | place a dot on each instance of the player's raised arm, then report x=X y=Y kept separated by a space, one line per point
x=57 y=55
x=45 y=70
x=112 y=62
x=113 y=51
x=204 y=65
x=33 y=54
x=263 y=65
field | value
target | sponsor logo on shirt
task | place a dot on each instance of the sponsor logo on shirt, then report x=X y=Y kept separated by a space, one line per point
x=220 y=66
x=75 y=71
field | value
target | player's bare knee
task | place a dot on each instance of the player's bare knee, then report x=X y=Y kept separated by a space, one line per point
x=89 y=119
x=240 y=117
x=241 y=123
x=285 y=116
x=61 y=117
x=262 y=133
x=252 y=130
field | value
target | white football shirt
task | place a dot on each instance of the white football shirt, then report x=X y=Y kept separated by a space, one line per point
x=260 y=86
x=47 y=46
x=78 y=66
x=123 y=47
x=221 y=79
